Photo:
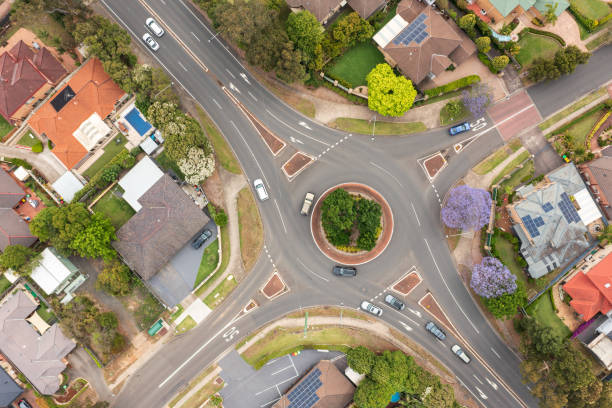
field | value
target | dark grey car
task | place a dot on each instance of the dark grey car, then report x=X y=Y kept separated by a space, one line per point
x=435 y=330
x=344 y=271
x=201 y=239
x=395 y=302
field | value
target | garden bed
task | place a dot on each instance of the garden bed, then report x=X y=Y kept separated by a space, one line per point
x=274 y=287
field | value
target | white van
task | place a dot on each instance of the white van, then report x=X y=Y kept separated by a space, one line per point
x=461 y=354
x=261 y=190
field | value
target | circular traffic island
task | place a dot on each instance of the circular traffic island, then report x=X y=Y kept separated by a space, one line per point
x=351 y=223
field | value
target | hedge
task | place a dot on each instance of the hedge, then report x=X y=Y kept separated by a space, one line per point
x=485 y=60
x=572 y=122
x=588 y=23
x=18 y=162
x=546 y=33
x=124 y=159
x=452 y=86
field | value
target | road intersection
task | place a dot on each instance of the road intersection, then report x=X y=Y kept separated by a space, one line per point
x=198 y=60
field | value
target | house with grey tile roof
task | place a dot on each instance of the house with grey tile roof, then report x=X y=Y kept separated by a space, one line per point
x=9 y=390
x=598 y=176
x=551 y=220
x=13 y=229
x=38 y=356
x=323 y=10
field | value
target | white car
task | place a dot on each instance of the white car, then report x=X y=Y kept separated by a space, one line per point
x=368 y=307
x=461 y=354
x=150 y=42
x=154 y=27
x=261 y=190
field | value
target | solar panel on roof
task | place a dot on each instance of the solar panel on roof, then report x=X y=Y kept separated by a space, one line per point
x=538 y=222
x=304 y=395
x=547 y=207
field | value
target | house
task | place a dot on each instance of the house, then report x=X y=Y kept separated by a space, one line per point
x=166 y=220
x=39 y=357
x=9 y=390
x=551 y=220
x=507 y=10
x=67 y=186
x=591 y=291
x=74 y=118
x=27 y=75
x=55 y=273
x=598 y=176
x=324 y=386
x=13 y=228
x=421 y=43
x=323 y=10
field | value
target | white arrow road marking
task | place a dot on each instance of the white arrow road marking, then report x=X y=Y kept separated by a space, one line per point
x=229 y=332
x=233 y=88
x=304 y=125
x=414 y=312
x=491 y=383
x=408 y=328
x=477 y=379
x=294 y=140
x=243 y=75
x=482 y=394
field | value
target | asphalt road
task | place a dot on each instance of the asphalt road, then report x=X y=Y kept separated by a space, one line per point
x=388 y=164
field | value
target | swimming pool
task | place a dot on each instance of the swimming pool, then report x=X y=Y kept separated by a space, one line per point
x=138 y=122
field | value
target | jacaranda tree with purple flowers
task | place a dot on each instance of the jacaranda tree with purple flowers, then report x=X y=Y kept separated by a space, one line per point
x=476 y=100
x=491 y=278
x=467 y=208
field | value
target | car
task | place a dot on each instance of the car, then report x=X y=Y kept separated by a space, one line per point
x=150 y=42
x=463 y=127
x=201 y=239
x=435 y=330
x=261 y=190
x=344 y=270
x=395 y=302
x=461 y=354
x=368 y=307
x=154 y=27
x=307 y=203
x=23 y=404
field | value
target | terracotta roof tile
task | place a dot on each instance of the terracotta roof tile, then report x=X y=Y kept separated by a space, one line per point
x=591 y=292
x=49 y=66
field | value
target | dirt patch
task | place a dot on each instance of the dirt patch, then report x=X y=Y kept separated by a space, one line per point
x=274 y=143
x=502 y=219
x=213 y=188
x=407 y=284
x=274 y=287
x=296 y=164
x=429 y=303
x=434 y=164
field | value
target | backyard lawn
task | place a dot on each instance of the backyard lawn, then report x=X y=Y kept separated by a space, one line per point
x=542 y=310
x=166 y=163
x=5 y=127
x=355 y=64
x=111 y=150
x=4 y=284
x=508 y=255
x=210 y=259
x=534 y=46
x=115 y=208
x=593 y=9
x=46 y=314
x=28 y=140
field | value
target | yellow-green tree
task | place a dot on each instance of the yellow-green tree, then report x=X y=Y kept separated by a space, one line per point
x=389 y=94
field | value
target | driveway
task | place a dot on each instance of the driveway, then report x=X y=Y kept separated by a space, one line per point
x=546 y=158
x=81 y=365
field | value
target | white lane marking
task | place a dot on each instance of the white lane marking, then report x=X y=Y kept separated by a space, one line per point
x=294 y=140
x=230 y=72
x=477 y=379
x=217 y=103
x=314 y=273
x=252 y=96
x=446 y=284
x=415 y=312
x=268 y=403
x=388 y=172
x=250 y=151
x=182 y=66
x=276 y=385
x=296 y=371
x=304 y=124
x=471 y=392
x=495 y=352
x=281 y=370
x=415 y=214
x=244 y=76
x=491 y=383
x=482 y=394
x=479 y=124
x=196 y=37
x=280 y=215
x=408 y=328
x=233 y=88
x=295 y=130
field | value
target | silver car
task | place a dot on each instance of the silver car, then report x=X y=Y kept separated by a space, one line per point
x=154 y=27
x=460 y=353
x=368 y=307
x=148 y=39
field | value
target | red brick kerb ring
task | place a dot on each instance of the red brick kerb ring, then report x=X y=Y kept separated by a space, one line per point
x=357 y=258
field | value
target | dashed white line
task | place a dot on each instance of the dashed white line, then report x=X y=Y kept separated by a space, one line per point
x=182 y=66
x=280 y=215
x=252 y=96
x=230 y=72
x=314 y=273
x=495 y=352
x=250 y=151
x=477 y=379
x=196 y=37
x=415 y=214
x=217 y=103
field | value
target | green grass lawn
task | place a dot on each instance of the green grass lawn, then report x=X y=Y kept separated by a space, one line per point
x=542 y=310
x=508 y=255
x=579 y=131
x=573 y=108
x=225 y=255
x=510 y=166
x=517 y=178
x=4 y=284
x=115 y=208
x=497 y=157
x=593 y=9
x=5 y=127
x=210 y=259
x=446 y=119
x=355 y=64
x=111 y=150
x=382 y=128
x=220 y=292
x=46 y=314
x=187 y=324
x=534 y=46
x=223 y=151
x=28 y=140
x=179 y=310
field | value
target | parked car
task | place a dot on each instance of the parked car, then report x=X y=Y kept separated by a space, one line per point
x=201 y=239
x=344 y=270
x=307 y=204
x=463 y=127
x=461 y=354
x=368 y=307
x=261 y=190
x=150 y=42
x=435 y=330
x=395 y=302
x=154 y=27
x=24 y=404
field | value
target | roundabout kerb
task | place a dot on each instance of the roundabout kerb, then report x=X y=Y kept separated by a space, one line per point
x=357 y=258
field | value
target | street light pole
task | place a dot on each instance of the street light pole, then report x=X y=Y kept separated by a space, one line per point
x=374 y=127
x=341 y=310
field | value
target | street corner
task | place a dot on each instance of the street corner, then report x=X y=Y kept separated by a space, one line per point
x=407 y=283
x=296 y=164
x=431 y=306
x=274 y=287
x=515 y=114
x=433 y=164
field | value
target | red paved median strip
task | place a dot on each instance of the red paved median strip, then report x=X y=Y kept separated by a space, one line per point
x=431 y=306
x=296 y=164
x=274 y=287
x=274 y=143
x=434 y=164
x=408 y=283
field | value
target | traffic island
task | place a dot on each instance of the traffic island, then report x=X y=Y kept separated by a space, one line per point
x=274 y=143
x=434 y=164
x=355 y=256
x=431 y=306
x=407 y=283
x=274 y=287
x=296 y=164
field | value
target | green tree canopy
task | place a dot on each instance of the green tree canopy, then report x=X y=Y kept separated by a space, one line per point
x=483 y=44
x=243 y=20
x=360 y=359
x=500 y=62
x=371 y=394
x=18 y=258
x=507 y=305
x=305 y=31
x=115 y=279
x=337 y=216
x=389 y=94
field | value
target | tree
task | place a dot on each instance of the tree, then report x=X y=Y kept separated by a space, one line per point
x=61 y=225
x=360 y=359
x=538 y=340
x=476 y=99
x=467 y=208
x=289 y=66
x=338 y=216
x=370 y=394
x=400 y=366
x=491 y=278
x=389 y=94
x=467 y=23
x=381 y=371
x=17 y=258
x=115 y=279
x=108 y=320
x=439 y=396
x=197 y=166
x=243 y=20
x=368 y=221
x=542 y=69
x=350 y=30
x=514 y=49
x=507 y=305
x=305 y=31
x=454 y=108
x=483 y=44
x=95 y=240
x=265 y=48
x=500 y=62
x=568 y=58
x=551 y=13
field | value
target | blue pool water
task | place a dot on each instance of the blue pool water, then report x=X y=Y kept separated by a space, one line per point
x=395 y=397
x=138 y=122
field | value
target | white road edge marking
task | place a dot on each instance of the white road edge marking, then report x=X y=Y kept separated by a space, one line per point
x=415 y=213
x=295 y=130
x=250 y=151
x=196 y=37
x=314 y=273
x=387 y=171
x=280 y=215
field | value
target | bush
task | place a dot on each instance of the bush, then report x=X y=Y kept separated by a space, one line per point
x=485 y=60
x=38 y=147
x=588 y=23
x=452 y=86
x=218 y=215
x=123 y=160
x=50 y=144
x=537 y=21
x=18 y=162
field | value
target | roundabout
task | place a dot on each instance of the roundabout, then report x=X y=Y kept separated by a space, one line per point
x=358 y=257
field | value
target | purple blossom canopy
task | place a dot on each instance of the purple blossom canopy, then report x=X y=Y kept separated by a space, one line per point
x=467 y=208
x=491 y=278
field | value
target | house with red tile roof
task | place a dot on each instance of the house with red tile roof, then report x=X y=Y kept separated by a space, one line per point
x=26 y=76
x=74 y=118
x=591 y=292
